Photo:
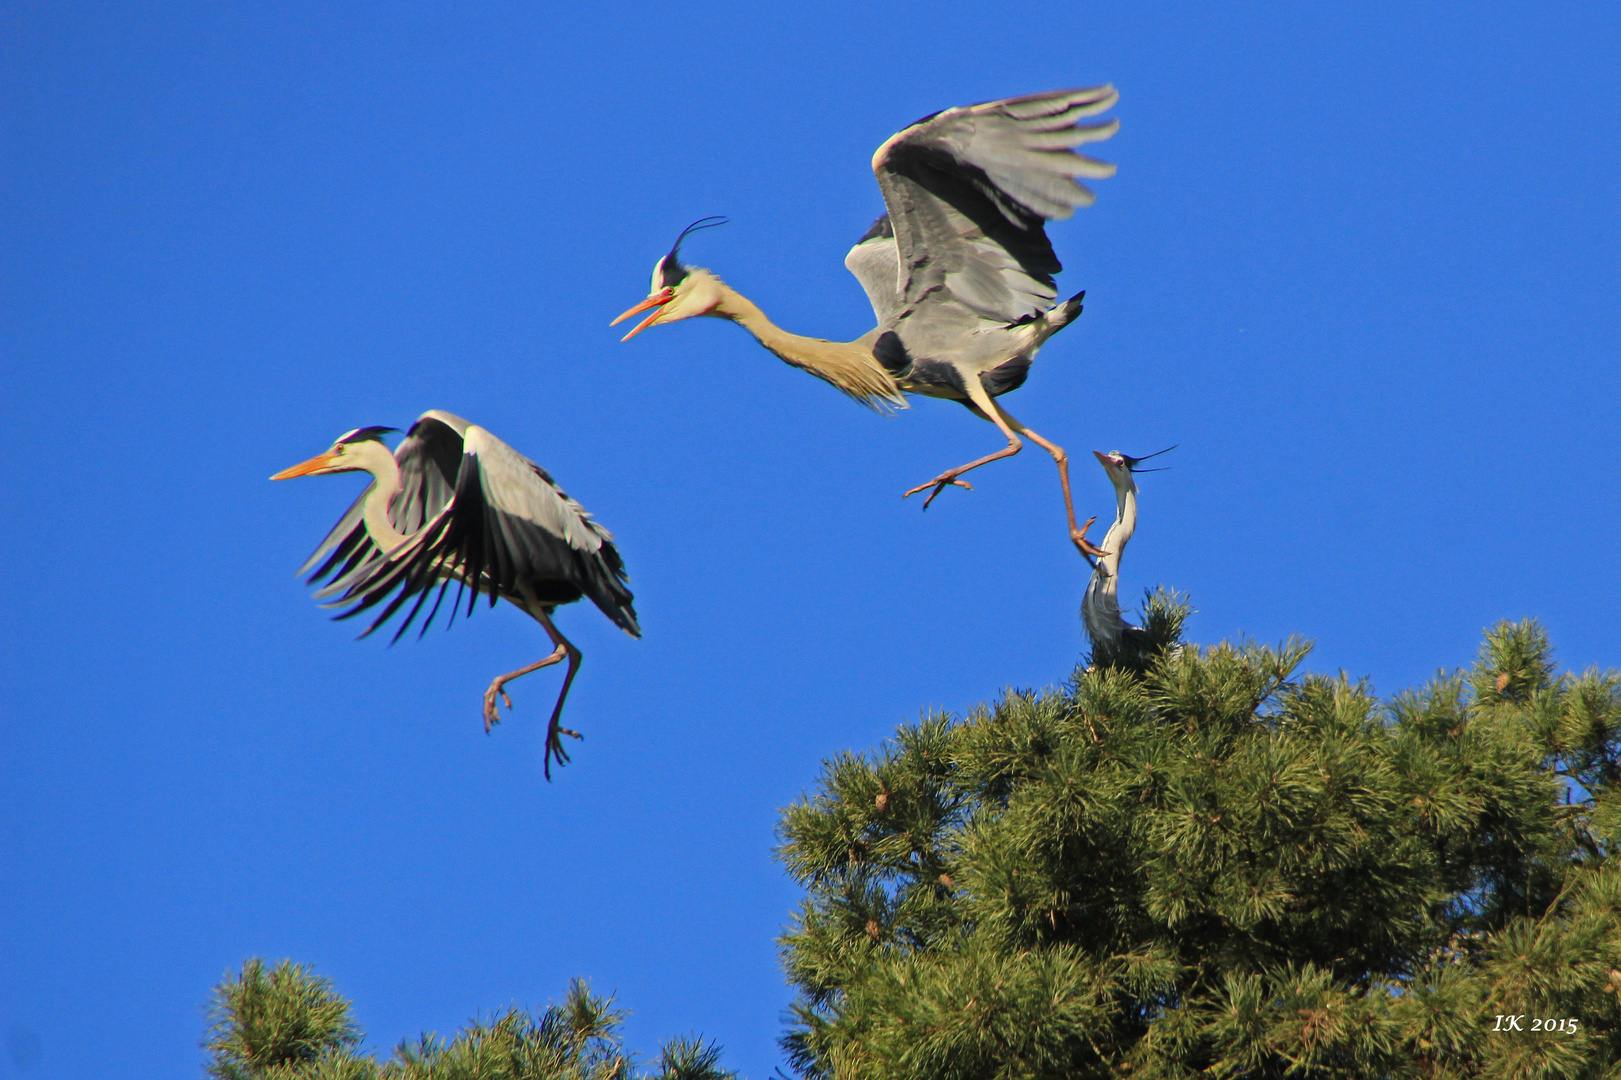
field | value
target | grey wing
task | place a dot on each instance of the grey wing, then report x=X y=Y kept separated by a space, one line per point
x=968 y=191
x=540 y=534
x=519 y=490
x=507 y=530
x=347 y=544
x=429 y=458
x=875 y=262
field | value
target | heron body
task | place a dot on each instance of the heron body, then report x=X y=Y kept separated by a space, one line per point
x=959 y=270
x=456 y=505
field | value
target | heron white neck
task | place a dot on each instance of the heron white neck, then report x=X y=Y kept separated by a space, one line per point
x=848 y=365
x=1100 y=607
x=1119 y=535
x=377 y=460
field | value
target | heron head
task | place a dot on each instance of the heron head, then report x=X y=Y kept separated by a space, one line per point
x=1120 y=467
x=353 y=452
x=678 y=291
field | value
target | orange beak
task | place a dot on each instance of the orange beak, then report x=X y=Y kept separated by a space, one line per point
x=656 y=302
x=304 y=468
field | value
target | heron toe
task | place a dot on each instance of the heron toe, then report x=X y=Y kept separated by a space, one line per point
x=492 y=714
x=939 y=483
x=554 y=744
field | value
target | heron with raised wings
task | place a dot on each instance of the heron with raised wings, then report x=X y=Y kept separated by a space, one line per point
x=959 y=270
x=1100 y=606
x=455 y=504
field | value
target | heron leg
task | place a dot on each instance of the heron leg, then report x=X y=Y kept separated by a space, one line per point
x=554 y=730
x=563 y=647
x=981 y=404
x=492 y=715
x=1077 y=533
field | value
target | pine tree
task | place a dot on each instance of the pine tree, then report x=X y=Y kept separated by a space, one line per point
x=1191 y=862
x=1186 y=862
x=286 y=1023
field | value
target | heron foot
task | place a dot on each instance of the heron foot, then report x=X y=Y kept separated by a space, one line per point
x=554 y=744
x=1085 y=546
x=492 y=715
x=940 y=483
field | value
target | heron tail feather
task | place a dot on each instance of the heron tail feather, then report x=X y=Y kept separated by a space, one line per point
x=1065 y=313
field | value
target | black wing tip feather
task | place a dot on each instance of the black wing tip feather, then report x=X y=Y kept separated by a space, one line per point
x=603 y=580
x=620 y=611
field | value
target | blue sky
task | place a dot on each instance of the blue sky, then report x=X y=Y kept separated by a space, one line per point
x=1360 y=262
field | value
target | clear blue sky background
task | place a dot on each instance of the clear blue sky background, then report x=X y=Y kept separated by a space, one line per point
x=1359 y=261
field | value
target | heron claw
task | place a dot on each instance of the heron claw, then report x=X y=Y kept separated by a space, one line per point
x=939 y=483
x=554 y=745
x=492 y=714
x=1086 y=547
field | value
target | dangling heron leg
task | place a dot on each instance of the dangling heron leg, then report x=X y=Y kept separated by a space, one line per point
x=492 y=715
x=980 y=404
x=1076 y=533
x=564 y=647
x=554 y=730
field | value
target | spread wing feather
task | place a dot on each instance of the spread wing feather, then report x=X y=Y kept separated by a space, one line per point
x=506 y=530
x=429 y=458
x=968 y=192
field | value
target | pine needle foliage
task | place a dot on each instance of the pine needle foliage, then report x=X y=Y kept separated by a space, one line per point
x=288 y=1024
x=1193 y=862
x=280 y=1022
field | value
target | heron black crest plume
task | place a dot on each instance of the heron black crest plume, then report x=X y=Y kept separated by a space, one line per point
x=367 y=434
x=672 y=270
x=1131 y=462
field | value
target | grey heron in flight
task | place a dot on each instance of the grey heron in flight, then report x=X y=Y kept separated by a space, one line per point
x=456 y=504
x=959 y=270
x=1100 y=606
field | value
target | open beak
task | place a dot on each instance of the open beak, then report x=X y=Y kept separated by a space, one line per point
x=656 y=302
x=304 y=468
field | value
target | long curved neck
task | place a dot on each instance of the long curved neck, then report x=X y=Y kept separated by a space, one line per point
x=1119 y=534
x=848 y=365
x=381 y=464
x=1100 y=607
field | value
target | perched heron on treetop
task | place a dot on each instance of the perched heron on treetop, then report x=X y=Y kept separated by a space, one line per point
x=959 y=270
x=456 y=504
x=1100 y=607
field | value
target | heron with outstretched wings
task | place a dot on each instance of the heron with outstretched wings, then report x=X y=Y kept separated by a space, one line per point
x=456 y=505
x=959 y=270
